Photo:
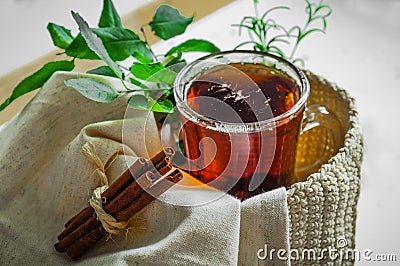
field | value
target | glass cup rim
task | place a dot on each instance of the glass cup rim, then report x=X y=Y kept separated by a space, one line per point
x=243 y=127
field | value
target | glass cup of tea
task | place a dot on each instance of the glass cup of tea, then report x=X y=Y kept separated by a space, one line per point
x=241 y=115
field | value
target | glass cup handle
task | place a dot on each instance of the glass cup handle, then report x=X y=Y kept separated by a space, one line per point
x=320 y=138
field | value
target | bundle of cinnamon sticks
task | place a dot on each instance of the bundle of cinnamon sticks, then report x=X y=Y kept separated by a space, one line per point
x=137 y=187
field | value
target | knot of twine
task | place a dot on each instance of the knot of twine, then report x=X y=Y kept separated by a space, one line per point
x=109 y=223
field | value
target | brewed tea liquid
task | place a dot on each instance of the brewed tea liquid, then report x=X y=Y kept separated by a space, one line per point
x=242 y=94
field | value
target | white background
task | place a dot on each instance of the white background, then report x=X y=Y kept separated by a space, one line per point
x=360 y=52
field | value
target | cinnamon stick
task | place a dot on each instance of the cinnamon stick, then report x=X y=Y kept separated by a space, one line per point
x=138 y=168
x=148 y=196
x=122 y=200
x=76 y=249
x=84 y=213
x=80 y=227
x=133 y=191
x=76 y=221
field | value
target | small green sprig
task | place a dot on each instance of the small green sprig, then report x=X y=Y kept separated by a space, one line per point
x=267 y=35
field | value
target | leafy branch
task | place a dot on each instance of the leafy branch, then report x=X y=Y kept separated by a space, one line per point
x=147 y=81
x=110 y=42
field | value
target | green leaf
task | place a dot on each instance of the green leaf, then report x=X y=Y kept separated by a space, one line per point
x=109 y=16
x=142 y=53
x=138 y=84
x=61 y=36
x=302 y=35
x=276 y=50
x=166 y=105
x=37 y=79
x=103 y=70
x=169 y=22
x=120 y=44
x=273 y=9
x=155 y=72
x=135 y=82
x=169 y=92
x=162 y=105
x=173 y=58
x=145 y=71
x=141 y=102
x=175 y=62
x=141 y=58
x=93 y=89
x=194 y=45
x=95 y=44
x=138 y=102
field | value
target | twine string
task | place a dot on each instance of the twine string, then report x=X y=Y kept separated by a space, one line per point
x=109 y=223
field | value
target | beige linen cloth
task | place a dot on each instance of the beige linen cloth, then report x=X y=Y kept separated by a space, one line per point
x=45 y=180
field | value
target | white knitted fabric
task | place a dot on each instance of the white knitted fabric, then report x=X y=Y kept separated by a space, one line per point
x=322 y=210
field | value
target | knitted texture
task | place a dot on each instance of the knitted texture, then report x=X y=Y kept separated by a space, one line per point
x=322 y=209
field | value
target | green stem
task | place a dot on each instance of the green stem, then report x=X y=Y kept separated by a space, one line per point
x=260 y=30
x=127 y=70
x=147 y=43
x=123 y=83
x=296 y=45
x=136 y=90
x=256 y=9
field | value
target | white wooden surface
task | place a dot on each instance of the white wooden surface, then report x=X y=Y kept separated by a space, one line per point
x=359 y=53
